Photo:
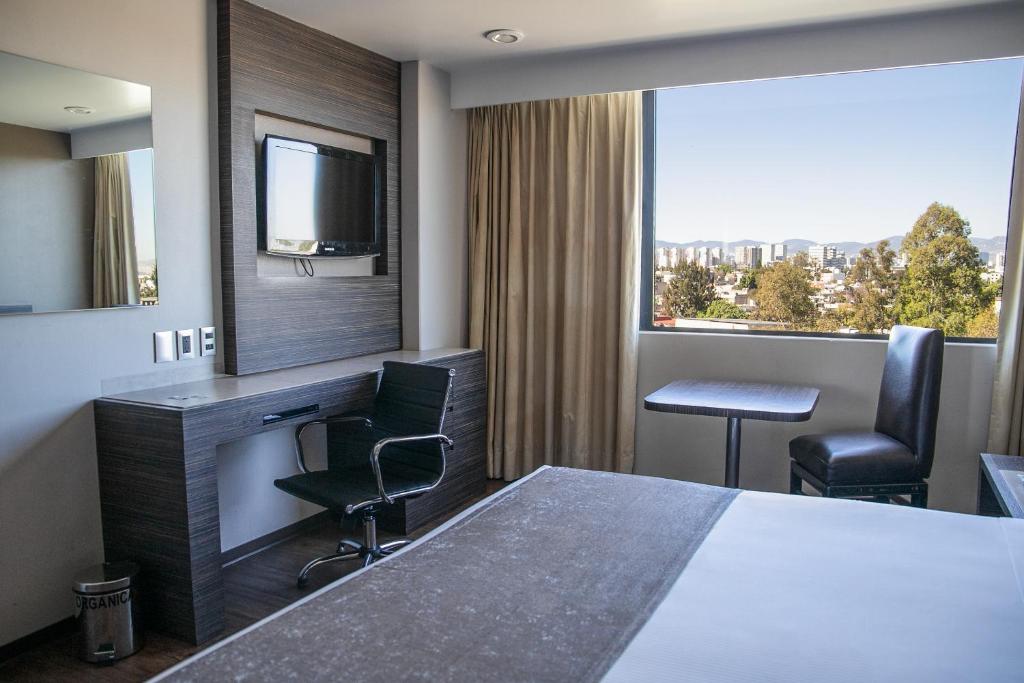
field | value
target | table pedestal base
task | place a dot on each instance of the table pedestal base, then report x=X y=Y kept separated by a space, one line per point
x=732 y=453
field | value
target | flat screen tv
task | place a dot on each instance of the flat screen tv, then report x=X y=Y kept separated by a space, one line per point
x=318 y=201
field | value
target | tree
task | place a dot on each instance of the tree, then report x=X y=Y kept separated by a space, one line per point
x=801 y=259
x=943 y=286
x=690 y=291
x=873 y=284
x=723 y=310
x=985 y=324
x=784 y=295
x=749 y=279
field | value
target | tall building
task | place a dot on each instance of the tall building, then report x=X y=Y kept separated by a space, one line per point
x=749 y=257
x=1001 y=262
x=826 y=256
x=770 y=253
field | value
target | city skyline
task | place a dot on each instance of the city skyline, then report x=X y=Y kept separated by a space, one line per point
x=836 y=158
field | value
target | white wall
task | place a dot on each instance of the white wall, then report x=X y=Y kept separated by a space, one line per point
x=848 y=373
x=983 y=33
x=434 y=243
x=53 y=365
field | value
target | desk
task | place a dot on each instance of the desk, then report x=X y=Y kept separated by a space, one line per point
x=734 y=401
x=1001 y=485
x=157 y=461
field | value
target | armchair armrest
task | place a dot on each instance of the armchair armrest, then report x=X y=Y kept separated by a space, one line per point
x=384 y=443
x=300 y=456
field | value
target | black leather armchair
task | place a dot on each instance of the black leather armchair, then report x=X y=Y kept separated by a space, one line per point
x=395 y=452
x=896 y=458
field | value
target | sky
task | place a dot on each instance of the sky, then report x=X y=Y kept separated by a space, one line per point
x=846 y=157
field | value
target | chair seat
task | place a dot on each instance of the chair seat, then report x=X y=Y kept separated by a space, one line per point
x=352 y=488
x=855 y=458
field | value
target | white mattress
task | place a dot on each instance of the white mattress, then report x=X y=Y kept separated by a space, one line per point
x=790 y=588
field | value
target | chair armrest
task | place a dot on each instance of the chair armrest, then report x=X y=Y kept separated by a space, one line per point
x=384 y=443
x=300 y=456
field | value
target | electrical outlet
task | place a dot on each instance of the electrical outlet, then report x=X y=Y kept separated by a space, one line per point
x=163 y=346
x=186 y=344
x=207 y=341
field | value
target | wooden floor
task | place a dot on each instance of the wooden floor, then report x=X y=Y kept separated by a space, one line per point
x=254 y=587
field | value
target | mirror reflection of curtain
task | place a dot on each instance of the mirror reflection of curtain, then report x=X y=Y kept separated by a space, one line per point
x=115 y=267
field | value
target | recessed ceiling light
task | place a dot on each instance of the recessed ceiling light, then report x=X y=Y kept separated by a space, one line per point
x=504 y=36
x=75 y=109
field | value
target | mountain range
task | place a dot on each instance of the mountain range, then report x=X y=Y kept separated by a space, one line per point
x=991 y=245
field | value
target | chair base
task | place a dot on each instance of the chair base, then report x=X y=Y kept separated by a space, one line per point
x=883 y=493
x=368 y=552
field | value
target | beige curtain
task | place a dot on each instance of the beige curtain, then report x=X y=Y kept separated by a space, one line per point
x=554 y=263
x=115 y=270
x=1006 y=425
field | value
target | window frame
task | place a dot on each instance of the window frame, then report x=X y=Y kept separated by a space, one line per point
x=648 y=164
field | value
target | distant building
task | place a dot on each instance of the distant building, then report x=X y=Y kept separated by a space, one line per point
x=1001 y=262
x=826 y=256
x=771 y=253
x=749 y=257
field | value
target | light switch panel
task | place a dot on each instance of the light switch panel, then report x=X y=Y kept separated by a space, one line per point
x=207 y=341
x=186 y=344
x=163 y=346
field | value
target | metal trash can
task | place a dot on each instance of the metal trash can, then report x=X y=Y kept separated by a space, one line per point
x=106 y=610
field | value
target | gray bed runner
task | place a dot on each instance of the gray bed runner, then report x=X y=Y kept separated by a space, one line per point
x=546 y=581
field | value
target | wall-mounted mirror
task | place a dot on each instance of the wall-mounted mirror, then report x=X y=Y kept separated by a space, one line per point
x=76 y=190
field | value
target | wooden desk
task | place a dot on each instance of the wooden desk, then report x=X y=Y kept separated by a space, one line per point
x=734 y=401
x=1001 y=485
x=157 y=459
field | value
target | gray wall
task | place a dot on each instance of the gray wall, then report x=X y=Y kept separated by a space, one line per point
x=434 y=240
x=53 y=365
x=982 y=33
x=46 y=217
x=112 y=138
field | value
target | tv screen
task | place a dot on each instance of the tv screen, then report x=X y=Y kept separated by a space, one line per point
x=319 y=200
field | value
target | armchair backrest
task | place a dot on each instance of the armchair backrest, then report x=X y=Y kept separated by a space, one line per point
x=908 y=402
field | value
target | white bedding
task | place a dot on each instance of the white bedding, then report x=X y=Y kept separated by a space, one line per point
x=789 y=588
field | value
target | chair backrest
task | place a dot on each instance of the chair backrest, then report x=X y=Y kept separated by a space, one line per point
x=412 y=398
x=908 y=403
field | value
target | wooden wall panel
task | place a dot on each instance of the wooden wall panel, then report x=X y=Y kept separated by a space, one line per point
x=272 y=65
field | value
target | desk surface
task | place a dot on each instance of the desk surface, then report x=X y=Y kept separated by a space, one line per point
x=1005 y=473
x=231 y=387
x=776 y=402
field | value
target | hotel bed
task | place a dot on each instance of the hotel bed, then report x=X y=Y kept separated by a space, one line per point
x=571 y=575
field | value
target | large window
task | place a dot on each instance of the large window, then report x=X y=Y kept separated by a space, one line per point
x=840 y=204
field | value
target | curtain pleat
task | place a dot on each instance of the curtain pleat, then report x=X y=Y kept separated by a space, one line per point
x=115 y=280
x=554 y=263
x=1006 y=424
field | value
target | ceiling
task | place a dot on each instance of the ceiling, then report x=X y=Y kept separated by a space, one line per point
x=34 y=94
x=448 y=33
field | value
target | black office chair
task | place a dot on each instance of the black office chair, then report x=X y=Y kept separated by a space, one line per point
x=896 y=458
x=396 y=452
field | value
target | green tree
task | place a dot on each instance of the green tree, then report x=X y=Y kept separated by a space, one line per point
x=723 y=310
x=873 y=285
x=834 y=320
x=985 y=324
x=690 y=291
x=749 y=279
x=801 y=259
x=943 y=286
x=784 y=295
